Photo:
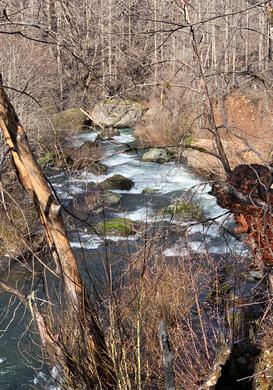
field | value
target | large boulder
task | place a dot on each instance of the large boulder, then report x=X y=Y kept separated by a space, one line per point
x=157 y=155
x=56 y=160
x=117 y=113
x=70 y=121
x=117 y=182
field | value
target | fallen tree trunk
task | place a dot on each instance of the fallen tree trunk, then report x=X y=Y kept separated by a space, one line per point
x=49 y=211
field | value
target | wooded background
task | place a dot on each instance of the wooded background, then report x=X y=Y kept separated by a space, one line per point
x=80 y=50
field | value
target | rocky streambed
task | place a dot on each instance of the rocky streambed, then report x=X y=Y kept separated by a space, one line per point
x=114 y=205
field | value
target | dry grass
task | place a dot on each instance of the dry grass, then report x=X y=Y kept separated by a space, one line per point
x=151 y=288
x=145 y=288
x=165 y=290
x=167 y=122
x=236 y=150
x=175 y=121
x=19 y=225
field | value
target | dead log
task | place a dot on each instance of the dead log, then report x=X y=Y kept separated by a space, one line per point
x=167 y=356
x=49 y=211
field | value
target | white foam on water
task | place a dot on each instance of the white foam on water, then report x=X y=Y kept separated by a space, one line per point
x=2 y=360
x=74 y=189
x=166 y=177
x=120 y=238
x=124 y=138
x=197 y=246
x=80 y=139
x=46 y=381
x=85 y=177
x=40 y=375
x=176 y=250
x=119 y=159
x=87 y=241
x=57 y=176
x=144 y=214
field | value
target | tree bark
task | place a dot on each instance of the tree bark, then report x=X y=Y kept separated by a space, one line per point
x=49 y=211
x=247 y=194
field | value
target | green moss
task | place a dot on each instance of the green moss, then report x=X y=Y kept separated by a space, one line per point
x=53 y=159
x=185 y=209
x=234 y=320
x=229 y=269
x=189 y=140
x=116 y=226
x=48 y=158
x=69 y=120
x=221 y=291
x=148 y=190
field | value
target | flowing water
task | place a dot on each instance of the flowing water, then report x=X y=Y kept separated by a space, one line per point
x=171 y=180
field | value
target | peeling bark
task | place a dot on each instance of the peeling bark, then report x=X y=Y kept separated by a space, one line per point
x=48 y=208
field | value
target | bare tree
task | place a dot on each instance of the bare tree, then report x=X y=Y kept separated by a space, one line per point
x=49 y=210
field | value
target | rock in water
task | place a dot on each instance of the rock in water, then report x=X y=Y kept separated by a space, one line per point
x=117 y=182
x=116 y=227
x=157 y=155
x=111 y=198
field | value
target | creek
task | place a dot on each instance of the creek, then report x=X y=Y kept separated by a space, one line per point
x=171 y=180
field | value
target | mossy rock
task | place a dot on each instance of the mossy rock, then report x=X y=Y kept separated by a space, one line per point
x=69 y=121
x=116 y=227
x=111 y=198
x=97 y=168
x=254 y=276
x=184 y=209
x=52 y=159
x=148 y=190
x=157 y=155
x=117 y=182
x=86 y=163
